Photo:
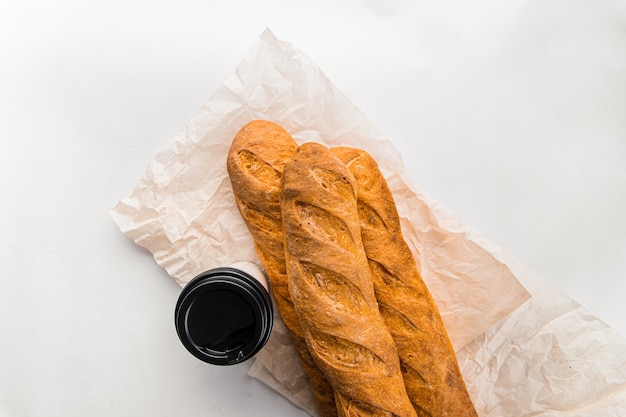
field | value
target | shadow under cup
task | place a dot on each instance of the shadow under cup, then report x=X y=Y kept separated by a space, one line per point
x=224 y=316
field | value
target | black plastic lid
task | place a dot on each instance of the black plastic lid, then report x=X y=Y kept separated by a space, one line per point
x=224 y=316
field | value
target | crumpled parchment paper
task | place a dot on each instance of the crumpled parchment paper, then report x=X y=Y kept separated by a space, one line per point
x=524 y=348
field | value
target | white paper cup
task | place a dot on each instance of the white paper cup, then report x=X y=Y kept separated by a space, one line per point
x=224 y=316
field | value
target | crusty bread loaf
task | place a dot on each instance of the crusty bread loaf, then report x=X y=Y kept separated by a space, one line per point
x=255 y=164
x=331 y=287
x=431 y=372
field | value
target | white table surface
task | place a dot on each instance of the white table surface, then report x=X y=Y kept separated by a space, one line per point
x=511 y=114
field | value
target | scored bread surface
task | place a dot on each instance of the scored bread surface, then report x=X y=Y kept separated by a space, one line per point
x=432 y=377
x=331 y=287
x=255 y=165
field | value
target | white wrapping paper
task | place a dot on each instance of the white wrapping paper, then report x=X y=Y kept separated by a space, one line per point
x=524 y=350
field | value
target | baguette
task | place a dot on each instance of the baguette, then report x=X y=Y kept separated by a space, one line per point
x=255 y=164
x=431 y=373
x=331 y=287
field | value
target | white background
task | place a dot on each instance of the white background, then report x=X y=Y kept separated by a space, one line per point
x=512 y=114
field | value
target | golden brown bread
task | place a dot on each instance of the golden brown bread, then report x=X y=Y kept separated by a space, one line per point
x=431 y=373
x=255 y=164
x=331 y=286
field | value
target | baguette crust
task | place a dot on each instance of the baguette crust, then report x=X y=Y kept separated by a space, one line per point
x=431 y=372
x=331 y=287
x=255 y=165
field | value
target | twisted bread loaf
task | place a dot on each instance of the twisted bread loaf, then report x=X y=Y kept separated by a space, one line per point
x=331 y=287
x=255 y=164
x=431 y=373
